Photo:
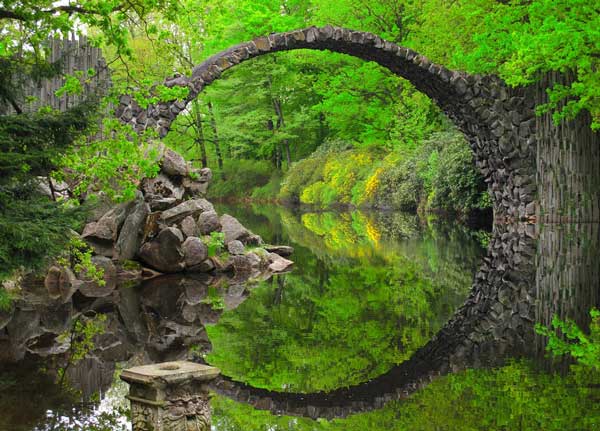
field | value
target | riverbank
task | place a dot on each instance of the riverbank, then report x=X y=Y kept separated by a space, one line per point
x=438 y=177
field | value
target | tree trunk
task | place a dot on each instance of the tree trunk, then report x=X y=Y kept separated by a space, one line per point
x=213 y=125
x=200 y=141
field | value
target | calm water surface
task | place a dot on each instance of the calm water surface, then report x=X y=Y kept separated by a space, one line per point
x=348 y=340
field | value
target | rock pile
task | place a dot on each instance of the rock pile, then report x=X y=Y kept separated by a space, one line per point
x=170 y=228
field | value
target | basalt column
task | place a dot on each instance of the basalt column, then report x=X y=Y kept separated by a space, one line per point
x=568 y=163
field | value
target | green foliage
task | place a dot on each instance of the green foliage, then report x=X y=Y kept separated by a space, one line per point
x=32 y=229
x=566 y=338
x=439 y=175
x=238 y=179
x=215 y=243
x=79 y=258
x=270 y=191
x=6 y=299
x=213 y=299
x=81 y=337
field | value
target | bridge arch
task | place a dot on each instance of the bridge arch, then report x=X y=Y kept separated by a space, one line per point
x=498 y=121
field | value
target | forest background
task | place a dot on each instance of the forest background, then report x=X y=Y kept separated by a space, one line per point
x=316 y=128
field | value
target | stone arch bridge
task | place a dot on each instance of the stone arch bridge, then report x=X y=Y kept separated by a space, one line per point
x=499 y=122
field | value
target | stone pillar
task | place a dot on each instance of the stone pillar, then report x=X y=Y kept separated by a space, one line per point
x=171 y=396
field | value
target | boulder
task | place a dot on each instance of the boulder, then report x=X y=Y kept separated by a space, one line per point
x=61 y=283
x=278 y=263
x=107 y=228
x=195 y=251
x=235 y=247
x=281 y=250
x=130 y=237
x=161 y=186
x=164 y=253
x=205 y=266
x=101 y=204
x=241 y=264
x=208 y=222
x=194 y=188
x=254 y=259
x=101 y=247
x=173 y=164
x=161 y=204
x=193 y=207
x=91 y=288
x=189 y=227
x=234 y=230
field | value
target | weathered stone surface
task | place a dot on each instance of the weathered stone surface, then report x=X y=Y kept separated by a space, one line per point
x=91 y=288
x=234 y=230
x=164 y=253
x=235 y=247
x=281 y=250
x=189 y=227
x=161 y=204
x=278 y=263
x=193 y=207
x=208 y=222
x=241 y=264
x=130 y=236
x=195 y=251
x=161 y=186
x=173 y=164
x=194 y=188
x=205 y=266
x=107 y=228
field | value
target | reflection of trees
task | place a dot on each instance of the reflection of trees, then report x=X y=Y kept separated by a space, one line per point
x=355 y=307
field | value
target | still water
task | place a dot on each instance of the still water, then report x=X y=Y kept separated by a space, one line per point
x=387 y=322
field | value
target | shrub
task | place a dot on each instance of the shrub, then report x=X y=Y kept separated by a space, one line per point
x=238 y=177
x=269 y=191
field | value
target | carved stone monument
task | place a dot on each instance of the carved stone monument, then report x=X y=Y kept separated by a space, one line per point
x=171 y=396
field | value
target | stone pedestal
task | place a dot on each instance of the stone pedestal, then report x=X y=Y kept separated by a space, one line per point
x=171 y=396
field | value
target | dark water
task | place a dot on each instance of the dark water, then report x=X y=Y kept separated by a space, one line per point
x=356 y=337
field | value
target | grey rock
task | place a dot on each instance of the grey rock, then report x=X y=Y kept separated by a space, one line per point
x=189 y=227
x=92 y=288
x=241 y=264
x=130 y=237
x=278 y=263
x=208 y=222
x=254 y=259
x=235 y=247
x=194 y=188
x=205 y=266
x=107 y=228
x=195 y=251
x=173 y=164
x=193 y=207
x=161 y=186
x=164 y=253
x=234 y=230
x=281 y=250
x=161 y=204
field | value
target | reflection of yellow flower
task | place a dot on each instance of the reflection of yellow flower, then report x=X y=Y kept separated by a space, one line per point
x=373 y=232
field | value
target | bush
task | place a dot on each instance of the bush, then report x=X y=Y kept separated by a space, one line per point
x=301 y=174
x=269 y=191
x=239 y=177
